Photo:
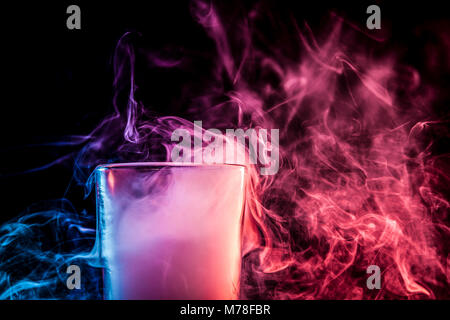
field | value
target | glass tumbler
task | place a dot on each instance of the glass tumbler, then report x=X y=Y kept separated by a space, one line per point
x=170 y=231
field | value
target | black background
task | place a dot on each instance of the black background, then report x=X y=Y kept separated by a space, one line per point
x=58 y=82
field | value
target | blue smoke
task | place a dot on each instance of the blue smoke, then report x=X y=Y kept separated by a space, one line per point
x=37 y=248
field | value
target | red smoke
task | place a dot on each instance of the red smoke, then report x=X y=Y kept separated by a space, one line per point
x=361 y=181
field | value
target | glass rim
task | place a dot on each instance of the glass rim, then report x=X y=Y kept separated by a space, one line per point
x=127 y=165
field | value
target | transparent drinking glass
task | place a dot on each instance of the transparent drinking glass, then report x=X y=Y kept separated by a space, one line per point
x=170 y=231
